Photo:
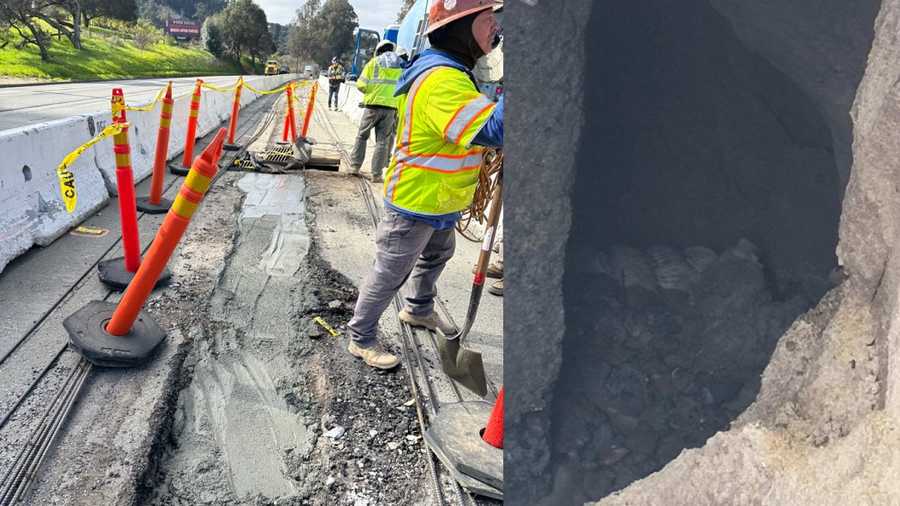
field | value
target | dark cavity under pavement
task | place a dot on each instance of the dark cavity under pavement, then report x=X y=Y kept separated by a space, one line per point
x=706 y=213
x=272 y=408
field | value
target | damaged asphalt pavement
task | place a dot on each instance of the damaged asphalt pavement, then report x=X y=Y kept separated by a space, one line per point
x=249 y=400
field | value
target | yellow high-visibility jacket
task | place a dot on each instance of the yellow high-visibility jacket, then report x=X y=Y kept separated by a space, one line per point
x=434 y=170
x=378 y=80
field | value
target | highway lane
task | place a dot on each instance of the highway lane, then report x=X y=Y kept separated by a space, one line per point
x=26 y=105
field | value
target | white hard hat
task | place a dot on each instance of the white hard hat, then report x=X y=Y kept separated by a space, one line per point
x=384 y=44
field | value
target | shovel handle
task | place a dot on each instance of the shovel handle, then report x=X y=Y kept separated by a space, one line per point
x=484 y=257
x=487 y=244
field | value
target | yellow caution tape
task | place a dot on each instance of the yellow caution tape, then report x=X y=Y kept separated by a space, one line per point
x=270 y=92
x=148 y=107
x=221 y=89
x=322 y=323
x=67 y=179
x=117 y=104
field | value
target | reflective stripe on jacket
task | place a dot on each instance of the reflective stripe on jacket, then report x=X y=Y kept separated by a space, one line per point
x=336 y=72
x=434 y=170
x=378 y=80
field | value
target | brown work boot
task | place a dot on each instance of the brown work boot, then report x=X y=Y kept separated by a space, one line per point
x=374 y=356
x=431 y=322
x=497 y=288
x=493 y=271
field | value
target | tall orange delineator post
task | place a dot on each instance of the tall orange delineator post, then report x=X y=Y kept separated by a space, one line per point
x=493 y=431
x=191 y=136
x=124 y=335
x=118 y=272
x=155 y=203
x=235 y=111
x=290 y=123
x=309 y=109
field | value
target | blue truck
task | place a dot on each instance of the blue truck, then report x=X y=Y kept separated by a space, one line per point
x=364 y=49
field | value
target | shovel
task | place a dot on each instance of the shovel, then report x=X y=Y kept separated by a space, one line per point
x=460 y=363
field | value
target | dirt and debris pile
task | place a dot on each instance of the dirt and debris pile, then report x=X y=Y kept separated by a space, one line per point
x=671 y=350
x=272 y=407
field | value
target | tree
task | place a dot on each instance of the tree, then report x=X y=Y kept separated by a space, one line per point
x=206 y=8
x=5 y=27
x=145 y=34
x=301 y=36
x=126 y=10
x=157 y=11
x=321 y=32
x=245 y=29
x=211 y=36
x=160 y=10
x=336 y=22
x=279 y=36
x=19 y=14
x=404 y=9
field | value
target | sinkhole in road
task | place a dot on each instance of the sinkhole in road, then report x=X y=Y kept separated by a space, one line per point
x=706 y=209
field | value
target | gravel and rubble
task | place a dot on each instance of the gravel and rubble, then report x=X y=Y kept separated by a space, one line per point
x=672 y=350
x=273 y=409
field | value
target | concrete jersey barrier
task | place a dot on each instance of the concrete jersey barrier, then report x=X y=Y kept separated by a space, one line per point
x=32 y=211
x=31 y=208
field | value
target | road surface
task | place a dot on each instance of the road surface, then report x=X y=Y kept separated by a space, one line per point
x=244 y=375
x=26 y=105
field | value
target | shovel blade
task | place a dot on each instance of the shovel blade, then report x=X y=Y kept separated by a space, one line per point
x=472 y=368
x=463 y=365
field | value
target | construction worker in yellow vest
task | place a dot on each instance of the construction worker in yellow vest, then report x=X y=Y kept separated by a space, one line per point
x=378 y=82
x=335 y=78
x=443 y=126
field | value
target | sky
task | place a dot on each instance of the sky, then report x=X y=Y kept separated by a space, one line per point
x=373 y=14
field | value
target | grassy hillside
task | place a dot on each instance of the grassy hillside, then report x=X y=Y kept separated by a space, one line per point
x=109 y=58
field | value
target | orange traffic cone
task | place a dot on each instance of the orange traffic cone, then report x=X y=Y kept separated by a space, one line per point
x=493 y=433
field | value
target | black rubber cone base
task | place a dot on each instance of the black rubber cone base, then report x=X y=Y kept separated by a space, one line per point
x=179 y=170
x=455 y=437
x=231 y=147
x=144 y=205
x=87 y=335
x=114 y=274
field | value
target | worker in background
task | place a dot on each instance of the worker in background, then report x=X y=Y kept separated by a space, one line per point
x=443 y=123
x=335 y=78
x=378 y=82
x=404 y=55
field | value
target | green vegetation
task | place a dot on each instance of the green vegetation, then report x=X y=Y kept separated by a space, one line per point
x=105 y=57
x=322 y=30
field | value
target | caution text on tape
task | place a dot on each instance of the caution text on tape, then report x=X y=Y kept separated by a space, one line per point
x=67 y=187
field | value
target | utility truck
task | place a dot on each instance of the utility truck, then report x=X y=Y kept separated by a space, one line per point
x=272 y=68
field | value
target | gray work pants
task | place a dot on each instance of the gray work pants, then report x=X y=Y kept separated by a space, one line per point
x=383 y=121
x=405 y=249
